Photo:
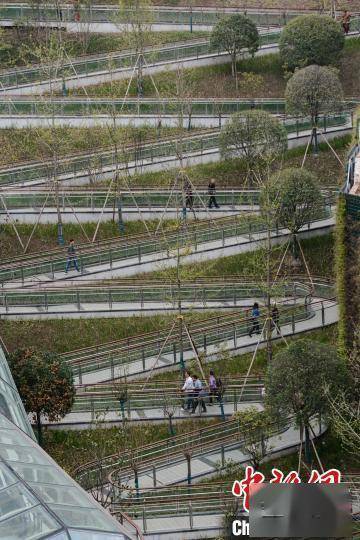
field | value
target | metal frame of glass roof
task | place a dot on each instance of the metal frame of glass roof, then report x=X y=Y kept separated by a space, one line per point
x=38 y=499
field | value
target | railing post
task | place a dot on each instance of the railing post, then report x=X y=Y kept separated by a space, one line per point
x=174 y=352
x=223 y=238
x=78 y=300
x=235 y=400
x=110 y=300
x=205 y=343
x=293 y=323
x=46 y=302
x=92 y=409
x=222 y=450
x=143 y=359
x=139 y=253
x=235 y=337
x=144 y=519
x=80 y=375
x=322 y=314
x=110 y=259
x=191 y=517
x=112 y=370
x=154 y=476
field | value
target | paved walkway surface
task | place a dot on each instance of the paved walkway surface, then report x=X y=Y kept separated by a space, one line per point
x=49 y=215
x=83 y=420
x=160 y=260
x=243 y=345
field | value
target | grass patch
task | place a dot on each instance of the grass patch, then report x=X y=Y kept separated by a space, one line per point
x=217 y=81
x=318 y=251
x=74 y=448
x=45 y=237
x=238 y=365
x=232 y=172
x=20 y=44
x=63 y=335
x=27 y=144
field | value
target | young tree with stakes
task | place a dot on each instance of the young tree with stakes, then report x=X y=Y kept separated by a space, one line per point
x=314 y=91
x=296 y=380
x=292 y=199
x=257 y=137
x=237 y=35
x=45 y=384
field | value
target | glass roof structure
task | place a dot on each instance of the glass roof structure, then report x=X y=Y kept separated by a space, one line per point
x=37 y=498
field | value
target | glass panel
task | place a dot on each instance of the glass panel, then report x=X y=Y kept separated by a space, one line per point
x=12 y=437
x=83 y=517
x=29 y=525
x=89 y=535
x=15 y=499
x=63 y=495
x=42 y=474
x=60 y=536
x=22 y=454
x=6 y=477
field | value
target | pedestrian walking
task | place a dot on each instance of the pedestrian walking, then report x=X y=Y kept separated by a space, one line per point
x=188 y=389
x=71 y=258
x=275 y=319
x=255 y=315
x=345 y=21
x=199 y=395
x=212 y=194
x=189 y=197
x=212 y=386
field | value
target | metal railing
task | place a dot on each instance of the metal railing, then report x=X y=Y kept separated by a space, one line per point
x=144 y=295
x=211 y=336
x=117 y=469
x=116 y=61
x=152 y=198
x=104 y=162
x=79 y=106
x=162 y=15
x=99 y=401
x=116 y=252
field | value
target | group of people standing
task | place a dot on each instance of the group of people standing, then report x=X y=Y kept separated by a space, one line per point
x=195 y=392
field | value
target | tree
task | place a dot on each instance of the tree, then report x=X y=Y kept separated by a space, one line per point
x=313 y=91
x=294 y=198
x=236 y=34
x=45 y=384
x=137 y=16
x=296 y=380
x=255 y=426
x=257 y=137
x=311 y=39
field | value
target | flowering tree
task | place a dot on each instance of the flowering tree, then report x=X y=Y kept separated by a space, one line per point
x=45 y=384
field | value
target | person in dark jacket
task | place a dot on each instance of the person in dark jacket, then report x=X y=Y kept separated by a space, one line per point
x=255 y=315
x=212 y=194
x=275 y=319
x=71 y=258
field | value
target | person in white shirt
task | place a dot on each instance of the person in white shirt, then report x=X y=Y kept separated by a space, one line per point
x=188 y=390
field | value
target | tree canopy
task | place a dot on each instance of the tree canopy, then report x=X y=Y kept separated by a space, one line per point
x=311 y=39
x=235 y=34
x=293 y=197
x=297 y=377
x=45 y=384
x=312 y=91
x=256 y=136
